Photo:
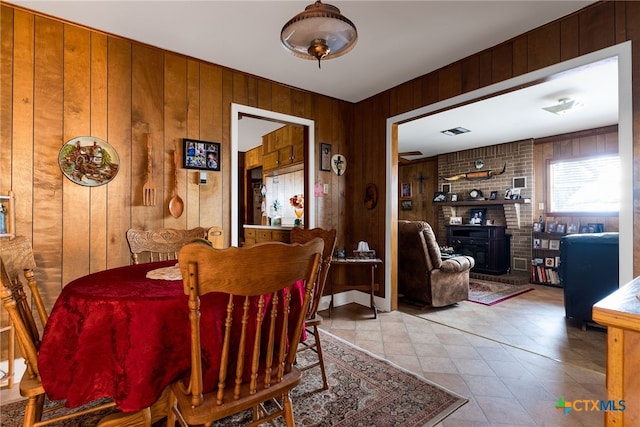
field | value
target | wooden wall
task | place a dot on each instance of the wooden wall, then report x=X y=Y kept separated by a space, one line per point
x=598 y=26
x=60 y=81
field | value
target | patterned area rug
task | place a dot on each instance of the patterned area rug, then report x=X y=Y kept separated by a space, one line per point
x=490 y=293
x=364 y=390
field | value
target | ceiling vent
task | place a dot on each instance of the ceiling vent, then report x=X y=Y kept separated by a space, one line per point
x=455 y=131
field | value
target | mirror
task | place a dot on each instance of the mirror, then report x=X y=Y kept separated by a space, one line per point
x=238 y=111
x=625 y=148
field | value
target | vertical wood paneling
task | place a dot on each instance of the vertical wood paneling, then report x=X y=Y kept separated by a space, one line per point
x=502 y=62
x=98 y=128
x=119 y=131
x=569 y=38
x=6 y=92
x=22 y=120
x=192 y=131
x=47 y=133
x=77 y=122
x=212 y=129
x=449 y=81
x=175 y=127
x=147 y=98
x=597 y=27
x=544 y=46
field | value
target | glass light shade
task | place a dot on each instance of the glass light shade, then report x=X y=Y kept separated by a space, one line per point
x=320 y=32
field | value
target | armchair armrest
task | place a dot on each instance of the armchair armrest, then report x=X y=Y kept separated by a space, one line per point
x=457 y=264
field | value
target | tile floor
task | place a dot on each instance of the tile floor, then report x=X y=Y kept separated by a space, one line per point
x=512 y=360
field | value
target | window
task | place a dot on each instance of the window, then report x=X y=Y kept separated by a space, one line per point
x=587 y=185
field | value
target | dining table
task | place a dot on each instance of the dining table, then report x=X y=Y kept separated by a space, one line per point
x=118 y=333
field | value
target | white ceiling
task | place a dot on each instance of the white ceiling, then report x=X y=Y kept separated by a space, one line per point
x=398 y=41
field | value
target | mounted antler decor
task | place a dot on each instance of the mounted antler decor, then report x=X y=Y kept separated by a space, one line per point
x=475 y=176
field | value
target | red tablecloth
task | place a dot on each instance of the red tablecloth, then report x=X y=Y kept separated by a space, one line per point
x=118 y=334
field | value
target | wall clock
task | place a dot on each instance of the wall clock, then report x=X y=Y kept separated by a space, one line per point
x=88 y=161
x=479 y=163
x=475 y=194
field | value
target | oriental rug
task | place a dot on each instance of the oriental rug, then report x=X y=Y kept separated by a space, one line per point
x=364 y=390
x=490 y=293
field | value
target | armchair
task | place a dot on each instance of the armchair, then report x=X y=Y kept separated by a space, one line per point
x=422 y=273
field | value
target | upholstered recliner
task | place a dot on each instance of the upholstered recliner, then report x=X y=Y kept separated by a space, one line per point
x=422 y=273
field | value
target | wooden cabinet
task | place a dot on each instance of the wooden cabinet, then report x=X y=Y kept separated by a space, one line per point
x=620 y=312
x=283 y=147
x=489 y=246
x=259 y=234
x=253 y=158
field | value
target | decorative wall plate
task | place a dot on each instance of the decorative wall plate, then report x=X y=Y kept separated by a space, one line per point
x=338 y=164
x=88 y=161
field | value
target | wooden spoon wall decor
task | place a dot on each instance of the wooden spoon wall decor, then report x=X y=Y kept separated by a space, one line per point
x=176 y=205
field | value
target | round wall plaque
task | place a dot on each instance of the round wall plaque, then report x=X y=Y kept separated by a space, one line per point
x=88 y=161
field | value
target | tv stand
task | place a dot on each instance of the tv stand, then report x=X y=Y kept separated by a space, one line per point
x=489 y=245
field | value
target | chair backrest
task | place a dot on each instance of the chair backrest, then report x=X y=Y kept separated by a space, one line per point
x=260 y=285
x=160 y=244
x=301 y=235
x=16 y=259
x=216 y=236
x=418 y=244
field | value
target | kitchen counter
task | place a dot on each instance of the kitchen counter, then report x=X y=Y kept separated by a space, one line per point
x=266 y=233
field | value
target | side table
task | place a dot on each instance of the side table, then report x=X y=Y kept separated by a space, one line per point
x=370 y=287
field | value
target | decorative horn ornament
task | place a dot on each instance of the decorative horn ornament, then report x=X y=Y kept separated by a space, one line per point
x=475 y=176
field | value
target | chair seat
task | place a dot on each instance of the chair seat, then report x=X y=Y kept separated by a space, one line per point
x=316 y=320
x=210 y=410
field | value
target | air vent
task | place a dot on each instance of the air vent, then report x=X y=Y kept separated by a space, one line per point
x=455 y=131
x=521 y=264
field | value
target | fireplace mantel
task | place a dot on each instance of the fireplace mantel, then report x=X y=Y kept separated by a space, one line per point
x=511 y=208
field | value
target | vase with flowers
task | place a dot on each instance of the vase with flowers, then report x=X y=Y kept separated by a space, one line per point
x=297 y=202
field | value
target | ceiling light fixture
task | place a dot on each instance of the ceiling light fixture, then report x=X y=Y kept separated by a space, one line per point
x=564 y=106
x=320 y=32
x=455 y=131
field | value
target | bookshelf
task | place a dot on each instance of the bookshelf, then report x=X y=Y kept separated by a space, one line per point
x=545 y=257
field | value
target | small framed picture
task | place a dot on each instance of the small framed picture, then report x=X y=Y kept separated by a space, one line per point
x=440 y=196
x=561 y=228
x=405 y=189
x=494 y=195
x=554 y=244
x=455 y=220
x=573 y=227
x=536 y=243
x=446 y=188
x=544 y=243
x=454 y=197
x=538 y=227
x=551 y=226
x=325 y=157
x=407 y=205
x=489 y=222
x=597 y=227
x=201 y=155
x=520 y=182
x=515 y=193
x=549 y=262
x=477 y=216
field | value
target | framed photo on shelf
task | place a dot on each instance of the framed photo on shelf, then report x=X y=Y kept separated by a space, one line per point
x=439 y=196
x=446 y=188
x=538 y=227
x=455 y=220
x=544 y=243
x=477 y=216
x=573 y=227
x=554 y=244
x=561 y=228
x=407 y=205
x=405 y=189
x=551 y=226
x=494 y=195
x=201 y=155
x=325 y=157
x=454 y=198
x=597 y=227
x=585 y=229
x=549 y=262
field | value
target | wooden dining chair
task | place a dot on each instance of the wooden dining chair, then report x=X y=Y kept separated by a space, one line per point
x=160 y=244
x=313 y=320
x=216 y=236
x=260 y=326
x=17 y=261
